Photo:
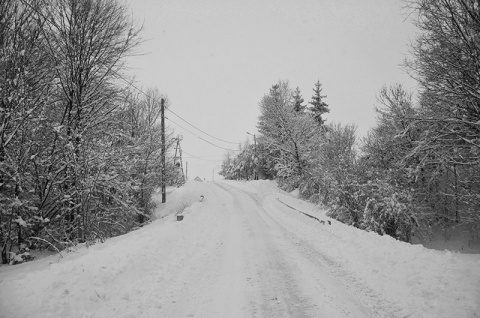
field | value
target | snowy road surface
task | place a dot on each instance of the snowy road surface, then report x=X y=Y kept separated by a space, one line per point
x=241 y=252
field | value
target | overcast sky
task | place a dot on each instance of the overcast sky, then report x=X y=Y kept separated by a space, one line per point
x=215 y=59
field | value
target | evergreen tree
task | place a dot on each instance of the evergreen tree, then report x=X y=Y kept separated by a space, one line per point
x=298 y=101
x=319 y=107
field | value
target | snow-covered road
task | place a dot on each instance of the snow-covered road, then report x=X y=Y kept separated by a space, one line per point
x=241 y=252
x=255 y=267
x=276 y=271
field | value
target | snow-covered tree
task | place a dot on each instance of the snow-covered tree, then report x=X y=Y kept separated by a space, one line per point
x=241 y=166
x=298 y=100
x=318 y=106
x=445 y=63
x=386 y=184
x=87 y=40
x=285 y=134
x=332 y=170
x=26 y=85
x=394 y=134
x=78 y=155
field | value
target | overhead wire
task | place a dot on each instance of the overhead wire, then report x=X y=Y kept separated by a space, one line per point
x=228 y=149
x=197 y=157
x=212 y=156
x=184 y=120
x=229 y=142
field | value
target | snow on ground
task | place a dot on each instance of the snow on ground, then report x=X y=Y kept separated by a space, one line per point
x=456 y=238
x=241 y=252
x=179 y=198
x=427 y=283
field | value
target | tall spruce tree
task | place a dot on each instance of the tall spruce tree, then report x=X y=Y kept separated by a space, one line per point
x=319 y=107
x=298 y=100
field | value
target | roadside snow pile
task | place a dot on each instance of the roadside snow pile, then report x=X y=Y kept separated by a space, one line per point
x=178 y=199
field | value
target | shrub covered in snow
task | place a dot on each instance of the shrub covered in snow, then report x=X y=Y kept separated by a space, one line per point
x=21 y=256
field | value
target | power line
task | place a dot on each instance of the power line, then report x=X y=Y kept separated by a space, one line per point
x=197 y=157
x=212 y=156
x=200 y=137
x=203 y=164
x=229 y=142
x=141 y=91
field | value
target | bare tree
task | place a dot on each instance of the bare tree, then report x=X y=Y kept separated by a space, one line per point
x=25 y=88
x=87 y=41
x=447 y=64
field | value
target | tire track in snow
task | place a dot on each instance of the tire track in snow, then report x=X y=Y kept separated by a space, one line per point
x=273 y=292
x=314 y=288
x=319 y=272
x=379 y=306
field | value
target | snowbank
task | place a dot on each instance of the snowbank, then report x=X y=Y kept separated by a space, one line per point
x=178 y=199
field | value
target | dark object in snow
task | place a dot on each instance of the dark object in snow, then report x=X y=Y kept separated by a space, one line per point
x=201 y=198
x=310 y=216
x=179 y=217
x=322 y=222
x=329 y=223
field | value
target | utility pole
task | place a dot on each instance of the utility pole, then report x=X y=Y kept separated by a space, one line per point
x=186 y=170
x=178 y=160
x=256 y=158
x=181 y=165
x=164 y=193
x=255 y=174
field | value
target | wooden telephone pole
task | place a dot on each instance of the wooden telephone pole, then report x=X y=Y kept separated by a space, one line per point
x=177 y=159
x=162 y=114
